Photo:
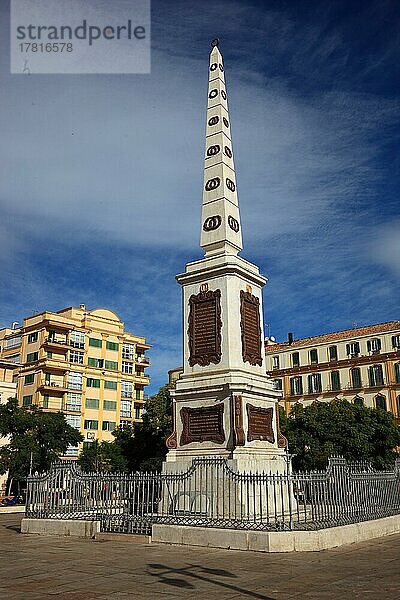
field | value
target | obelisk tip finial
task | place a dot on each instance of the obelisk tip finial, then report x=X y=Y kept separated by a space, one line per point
x=215 y=42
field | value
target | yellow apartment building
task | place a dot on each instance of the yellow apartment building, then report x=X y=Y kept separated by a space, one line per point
x=83 y=363
x=361 y=365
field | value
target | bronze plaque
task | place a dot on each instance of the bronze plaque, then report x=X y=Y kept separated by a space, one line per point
x=260 y=423
x=250 y=326
x=205 y=328
x=238 y=420
x=204 y=424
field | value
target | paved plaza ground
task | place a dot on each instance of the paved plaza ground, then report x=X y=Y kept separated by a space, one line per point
x=33 y=568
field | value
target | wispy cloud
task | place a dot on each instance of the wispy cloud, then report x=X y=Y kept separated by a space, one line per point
x=102 y=176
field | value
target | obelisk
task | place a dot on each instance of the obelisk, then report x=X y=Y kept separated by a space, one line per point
x=224 y=403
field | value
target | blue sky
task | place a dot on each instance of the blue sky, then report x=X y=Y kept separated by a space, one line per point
x=101 y=175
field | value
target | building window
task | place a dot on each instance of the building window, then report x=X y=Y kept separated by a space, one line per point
x=46 y=399
x=13 y=342
x=112 y=365
x=95 y=362
x=397 y=372
x=74 y=402
x=74 y=421
x=91 y=382
x=335 y=380
x=33 y=337
x=126 y=389
x=355 y=378
x=108 y=425
x=295 y=359
x=95 y=342
x=27 y=400
x=29 y=378
x=333 y=353
x=358 y=401
x=374 y=345
x=91 y=424
x=398 y=405
x=77 y=339
x=112 y=346
x=275 y=362
x=76 y=357
x=375 y=373
x=296 y=386
x=32 y=356
x=138 y=411
x=380 y=402
x=353 y=349
x=109 y=405
x=314 y=383
x=313 y=356
x=92 y=403
x=277 y=384
x=110 y=385
x=138 y=393
x=396 y=341
x=127 y=367
x=128 y=351
x=14 y=358
x=75 y=380
x=126 y=409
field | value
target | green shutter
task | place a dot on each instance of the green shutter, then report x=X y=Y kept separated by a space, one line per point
x=95 y=342
x=29 y=378
x=335 y=380
x=90 y=382
x=27 y=400
x=92 y=403
x=110 y=385
x=112 y=345
x=397 y=372
x=109 y=405
x=111 y=365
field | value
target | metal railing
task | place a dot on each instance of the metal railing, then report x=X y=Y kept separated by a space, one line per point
x=211 y=494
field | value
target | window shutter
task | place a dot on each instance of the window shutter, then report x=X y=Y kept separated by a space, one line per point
x=347 y=349
x=369 y=346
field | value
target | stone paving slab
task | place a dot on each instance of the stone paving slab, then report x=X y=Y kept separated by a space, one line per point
x=50 y=568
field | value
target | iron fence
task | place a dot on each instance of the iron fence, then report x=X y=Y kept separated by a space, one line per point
x=211 y=494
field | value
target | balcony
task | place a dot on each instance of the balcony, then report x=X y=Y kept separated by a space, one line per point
x=125 y=414
x=143 y=360
x=56 y=386
x=56 y=342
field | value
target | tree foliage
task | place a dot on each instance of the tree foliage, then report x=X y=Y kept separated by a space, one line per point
x=104 y=457
x=355 y=432
x=35 y=438
x=136 y=447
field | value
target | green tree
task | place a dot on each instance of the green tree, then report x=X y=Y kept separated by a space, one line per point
x=104 y=457
x=143 y=444
x=35 y=439
x=355 y=432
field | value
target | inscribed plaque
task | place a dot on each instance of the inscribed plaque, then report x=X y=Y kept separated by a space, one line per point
x=205 y=328
x=250 y=327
